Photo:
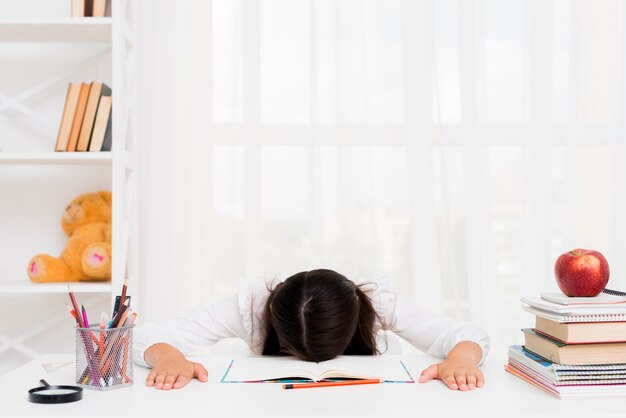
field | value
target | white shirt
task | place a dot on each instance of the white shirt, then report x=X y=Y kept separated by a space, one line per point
x=241 y=316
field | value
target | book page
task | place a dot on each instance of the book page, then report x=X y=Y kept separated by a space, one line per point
x=250 y=369
x=365 y=367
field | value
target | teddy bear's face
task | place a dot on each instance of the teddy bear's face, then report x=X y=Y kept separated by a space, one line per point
x=88 y=208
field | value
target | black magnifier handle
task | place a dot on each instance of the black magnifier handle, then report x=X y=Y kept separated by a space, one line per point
x=44 y=383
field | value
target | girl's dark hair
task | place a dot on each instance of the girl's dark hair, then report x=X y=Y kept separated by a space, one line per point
x=317 y=315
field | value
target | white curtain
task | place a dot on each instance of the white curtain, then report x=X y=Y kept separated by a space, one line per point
x=456 y=147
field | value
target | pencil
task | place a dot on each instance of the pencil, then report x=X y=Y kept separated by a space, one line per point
x=124 y=288
x=71 y=311
x=85 y=321
x=75 y=305
x=331 y=384
x=103 y=324
x=117 y=318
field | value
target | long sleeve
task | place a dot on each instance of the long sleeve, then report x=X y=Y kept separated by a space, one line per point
x=197 y=329
x=436 y=335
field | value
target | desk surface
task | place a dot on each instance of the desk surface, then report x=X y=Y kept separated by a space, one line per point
x=503 y=395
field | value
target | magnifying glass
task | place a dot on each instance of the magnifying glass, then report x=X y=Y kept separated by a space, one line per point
x=55 y=394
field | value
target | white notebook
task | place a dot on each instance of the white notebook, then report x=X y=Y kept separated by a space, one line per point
x=597 y=309
x=279 y=368
x=573 y=317
x=601 y=299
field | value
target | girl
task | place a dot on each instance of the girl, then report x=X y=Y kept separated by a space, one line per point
x=315 y=316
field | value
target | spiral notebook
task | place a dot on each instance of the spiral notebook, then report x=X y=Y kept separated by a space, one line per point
x=558 y=371
x=572 y=317
x=604 y=312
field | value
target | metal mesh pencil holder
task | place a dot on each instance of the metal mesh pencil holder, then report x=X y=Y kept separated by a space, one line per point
x=104 y=357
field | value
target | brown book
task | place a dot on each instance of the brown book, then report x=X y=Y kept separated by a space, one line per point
x=100 y=126
x=583 y=332
x=78 y=116
x=97 y=90
x=71 y=100
x=88 y=7
x=575 y=354
x=78 y=8
x=99 y=8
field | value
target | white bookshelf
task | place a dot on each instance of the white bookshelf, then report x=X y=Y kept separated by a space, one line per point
x=29 y=165
x=64 y=29
x=21 y=286
x=75 y=158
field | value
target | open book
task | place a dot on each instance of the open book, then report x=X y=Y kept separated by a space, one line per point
x=277 y=369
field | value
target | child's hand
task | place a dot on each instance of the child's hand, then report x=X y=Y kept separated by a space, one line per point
x=458 y=370
x=170 y=369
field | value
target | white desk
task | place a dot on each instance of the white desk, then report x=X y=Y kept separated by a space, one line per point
x=503 y=395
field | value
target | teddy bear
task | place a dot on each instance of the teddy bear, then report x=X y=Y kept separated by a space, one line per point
x=87 y=255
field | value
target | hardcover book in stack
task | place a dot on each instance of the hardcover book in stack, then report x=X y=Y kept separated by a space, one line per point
x=577 y=347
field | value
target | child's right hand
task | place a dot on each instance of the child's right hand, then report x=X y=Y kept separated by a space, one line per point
x=170 y=368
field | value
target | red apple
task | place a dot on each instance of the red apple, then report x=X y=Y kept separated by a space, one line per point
x=581 y=272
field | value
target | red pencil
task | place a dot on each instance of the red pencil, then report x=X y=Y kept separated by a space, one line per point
x=331 y=384
x=71 y=311
x=75 y=305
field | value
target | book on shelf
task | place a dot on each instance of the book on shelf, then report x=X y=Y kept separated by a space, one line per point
x=78 y=116
x=99 y=8
x=101 y=136
x=78 y=8
x=96 y=92
x=71 y=101
x=584 y=332
x=275 y=369
x=108 y=135
x=576 y=354
x=91 y=8
x=601 y=299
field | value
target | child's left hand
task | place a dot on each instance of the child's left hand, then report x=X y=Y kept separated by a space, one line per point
x=458 y=370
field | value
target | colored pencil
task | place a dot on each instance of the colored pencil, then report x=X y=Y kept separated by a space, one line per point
x=75 y=305
x=130 y=320
x=85 y=321
x=117 y=318
x=331 y=384
x=124 y=289
x=71 y=311
x=103 y=324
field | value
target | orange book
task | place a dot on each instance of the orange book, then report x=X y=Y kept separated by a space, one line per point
x=71 y=100
x=78 y=116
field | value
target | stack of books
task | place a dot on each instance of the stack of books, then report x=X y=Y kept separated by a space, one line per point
x=577 y=347
x=86 y=120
